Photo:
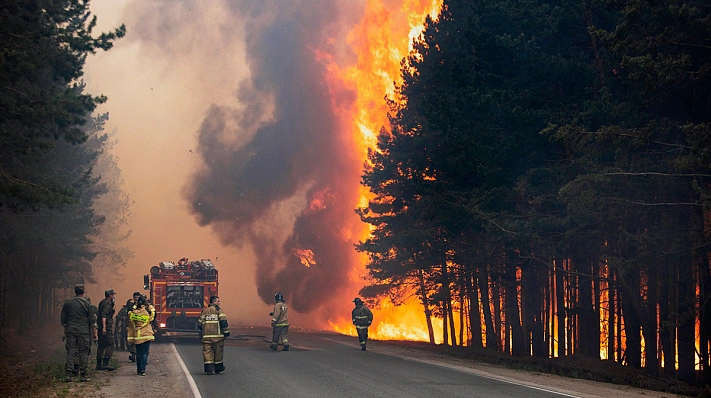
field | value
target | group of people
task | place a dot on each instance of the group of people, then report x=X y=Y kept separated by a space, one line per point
x=84 y=323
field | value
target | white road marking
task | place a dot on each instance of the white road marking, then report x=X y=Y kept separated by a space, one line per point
x=465 y=369
x=193 y=386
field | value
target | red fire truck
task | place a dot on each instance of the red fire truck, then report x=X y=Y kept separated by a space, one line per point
x=179 y=291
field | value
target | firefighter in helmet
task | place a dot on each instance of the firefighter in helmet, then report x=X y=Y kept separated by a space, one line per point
x=280 y=323
x=213 y=323
x=362 y=318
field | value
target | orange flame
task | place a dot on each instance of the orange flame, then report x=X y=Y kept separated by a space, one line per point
x=306 y=257
x=381 y=40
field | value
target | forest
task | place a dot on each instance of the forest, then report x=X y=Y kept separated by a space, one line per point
x=61 y=204
x=543 y=186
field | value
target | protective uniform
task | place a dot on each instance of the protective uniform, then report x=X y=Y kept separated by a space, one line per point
x=140 y=333
x=106 y=340
x=78 y=321
x=215 y=329
x=131 y=346
x=362 y=318
x=120 y=328
x=280 y=323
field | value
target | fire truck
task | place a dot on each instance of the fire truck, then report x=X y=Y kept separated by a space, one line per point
x=179 y=291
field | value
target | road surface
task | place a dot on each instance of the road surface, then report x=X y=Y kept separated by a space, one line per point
x=329 y=365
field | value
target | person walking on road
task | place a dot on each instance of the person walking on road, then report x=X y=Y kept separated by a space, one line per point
x=213 y=323
x=362 y=318
x=105 y=322
x=280 y=323
x=140 y=333
x=79 y=324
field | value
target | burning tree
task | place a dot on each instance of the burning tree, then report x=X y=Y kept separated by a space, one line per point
x=545 y=174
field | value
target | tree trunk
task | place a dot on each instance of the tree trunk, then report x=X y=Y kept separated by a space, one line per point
x=483 y=279
x=474 y=314
x=513 y=319
x=560 y=310
x=426 y=304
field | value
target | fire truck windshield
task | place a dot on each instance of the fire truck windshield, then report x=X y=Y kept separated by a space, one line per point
x=184 y=297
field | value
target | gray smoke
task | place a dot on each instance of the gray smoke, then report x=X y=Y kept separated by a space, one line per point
x=279 y=157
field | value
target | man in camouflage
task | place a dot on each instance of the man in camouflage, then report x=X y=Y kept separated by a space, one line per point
x=105 y=322
x=79 y=324
x=213 y=323
x=121 y=326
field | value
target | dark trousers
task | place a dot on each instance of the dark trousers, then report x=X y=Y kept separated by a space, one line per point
x=106 y=345
x=280 y=331
x=77 y=345
x=142 y=356
x=362 y=334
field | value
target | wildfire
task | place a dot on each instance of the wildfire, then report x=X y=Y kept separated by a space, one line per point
x=306 y=257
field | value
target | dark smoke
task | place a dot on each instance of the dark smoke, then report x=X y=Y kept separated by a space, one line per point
x=301 y=157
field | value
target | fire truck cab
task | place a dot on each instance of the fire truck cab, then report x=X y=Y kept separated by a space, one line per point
x=179 y=292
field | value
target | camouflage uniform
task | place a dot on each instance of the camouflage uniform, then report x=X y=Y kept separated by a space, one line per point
x=106 y=337
x=120 y=329
x=79 y=321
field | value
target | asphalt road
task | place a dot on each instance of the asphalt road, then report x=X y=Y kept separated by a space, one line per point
x=326 y=365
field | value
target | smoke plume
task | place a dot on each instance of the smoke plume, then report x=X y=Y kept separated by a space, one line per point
x=280 y=169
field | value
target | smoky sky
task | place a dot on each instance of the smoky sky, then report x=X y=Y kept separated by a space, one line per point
x=282 y=148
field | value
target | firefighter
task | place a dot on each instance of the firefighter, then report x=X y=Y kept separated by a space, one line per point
x=280 y=323
x=105 y=322
x=131 y=346
x=140 y=333
x=213 y=323
x=151 y=310
x=79 y=325
x=362 y=318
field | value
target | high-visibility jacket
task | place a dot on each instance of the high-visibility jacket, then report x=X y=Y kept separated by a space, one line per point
x=280 y=316
x=139 y=326
x=213 y=322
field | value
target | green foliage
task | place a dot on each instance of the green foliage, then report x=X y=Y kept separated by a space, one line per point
x=43 y=47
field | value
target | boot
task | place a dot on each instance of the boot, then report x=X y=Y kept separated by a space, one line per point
x=210 y=369
x=105 y=365
x=286 y=348
x=99 y=364
x=362 y=347
x=68 y=378
x=132 y=357
x=84 y=378
x=219 y=368
x=273 y=346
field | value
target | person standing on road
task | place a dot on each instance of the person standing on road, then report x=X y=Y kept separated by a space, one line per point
x=121 y=326
x=105 y=322
x=213 y=323
x=140 y=333
x=79 y=324
x=280 y=323
x=362 y=318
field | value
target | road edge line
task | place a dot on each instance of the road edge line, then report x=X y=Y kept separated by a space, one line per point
x=191 y=381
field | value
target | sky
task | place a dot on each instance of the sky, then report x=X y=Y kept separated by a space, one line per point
x=242 y=128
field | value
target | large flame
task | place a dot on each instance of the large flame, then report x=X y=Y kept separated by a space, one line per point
x=381 y=40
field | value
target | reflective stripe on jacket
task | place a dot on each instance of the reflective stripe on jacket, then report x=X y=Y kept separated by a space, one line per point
x=362 y=317
x=280 y=317
x=210 y=322
x=139 y=326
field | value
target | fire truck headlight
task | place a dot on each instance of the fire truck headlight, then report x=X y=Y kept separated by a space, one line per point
x=162 y=325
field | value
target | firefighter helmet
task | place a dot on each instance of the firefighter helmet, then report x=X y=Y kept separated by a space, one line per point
x=279 y=297
x=358 y=301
